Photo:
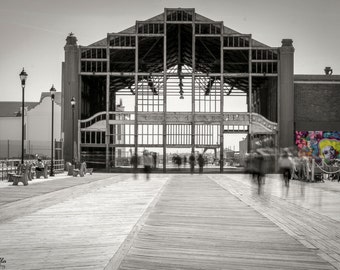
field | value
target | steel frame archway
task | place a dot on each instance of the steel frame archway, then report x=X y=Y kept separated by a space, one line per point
x=182 y=46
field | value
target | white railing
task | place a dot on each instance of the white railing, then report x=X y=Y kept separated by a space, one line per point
x=228 y=118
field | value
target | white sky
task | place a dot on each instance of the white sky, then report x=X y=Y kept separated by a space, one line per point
x=33 y=32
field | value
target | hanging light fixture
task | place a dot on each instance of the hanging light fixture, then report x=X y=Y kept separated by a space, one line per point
x=209 y=86
x=181 y=92
x=152 y=85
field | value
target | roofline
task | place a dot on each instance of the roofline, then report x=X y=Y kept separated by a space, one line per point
x=131 y=30
x=300 y=78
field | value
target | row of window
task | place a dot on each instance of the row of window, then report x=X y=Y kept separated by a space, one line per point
x=153 y=134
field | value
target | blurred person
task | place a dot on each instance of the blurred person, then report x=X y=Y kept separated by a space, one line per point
x=298 y=168
x=185 y=160
x=40 y=165
x=285 y=166
x=147 y=160
x=134 y=164
x=154 y=159
x=251 y=166
x=258 y=168
x=306 y=167
x=247 y=163
x=200 y=161
x=192 y=161
x=178 y=161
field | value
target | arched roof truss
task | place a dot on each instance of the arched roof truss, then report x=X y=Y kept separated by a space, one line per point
x=182 y=43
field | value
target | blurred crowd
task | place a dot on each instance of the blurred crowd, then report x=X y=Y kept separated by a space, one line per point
x=292 y=165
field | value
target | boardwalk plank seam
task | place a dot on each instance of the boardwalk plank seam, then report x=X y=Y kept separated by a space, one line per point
x=124 y=248
x=297 y=221
x=198 y=225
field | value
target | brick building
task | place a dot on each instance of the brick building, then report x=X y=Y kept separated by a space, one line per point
x=317 y=114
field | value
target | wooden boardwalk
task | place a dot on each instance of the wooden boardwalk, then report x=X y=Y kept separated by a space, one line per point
x=112 y=221
x=198 y=225
x=310 y=213
x=81 y=231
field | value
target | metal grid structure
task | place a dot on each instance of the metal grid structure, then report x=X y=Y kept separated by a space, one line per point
x=182 y=54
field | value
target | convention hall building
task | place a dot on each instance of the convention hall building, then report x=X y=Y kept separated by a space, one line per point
x=166 y=83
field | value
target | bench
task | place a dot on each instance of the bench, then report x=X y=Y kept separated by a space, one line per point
x=31 y=172
x=21 y=177
x=88 y=170
x=81 y=172
x=16 y=172
x=43 y=173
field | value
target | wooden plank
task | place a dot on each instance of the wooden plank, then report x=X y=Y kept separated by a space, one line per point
x=298 y=210
x=82 y=231
x=197 y=222
x=198 y=225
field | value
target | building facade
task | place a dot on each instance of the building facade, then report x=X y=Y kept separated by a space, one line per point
x=177 y=70
x=37 y=127
x=317 y=115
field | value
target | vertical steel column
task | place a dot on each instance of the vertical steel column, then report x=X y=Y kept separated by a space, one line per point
x=278 y=104
x=222 y=100
x=78 y=108
x=164 y=95
x=107 y=132
x=136 y=91
x=250 y=91
x=286 y=98
x=78 y=150
x=78 y=111
x=114 y=129
x=193 y=86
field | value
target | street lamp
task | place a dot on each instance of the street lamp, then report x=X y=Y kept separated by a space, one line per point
x=52 y=91
x=73 y=104
x=23 y=76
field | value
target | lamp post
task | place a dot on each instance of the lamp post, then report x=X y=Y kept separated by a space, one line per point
x=52 y=91
x=73 y=104
x=23 y=76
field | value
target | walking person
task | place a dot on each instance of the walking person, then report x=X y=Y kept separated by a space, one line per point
x=185 y=160
x=147 y=160
x=286 y=166
x=134 y=164
x=200 y=161
x=192 y=163
x=258 y=169
x=154 y=159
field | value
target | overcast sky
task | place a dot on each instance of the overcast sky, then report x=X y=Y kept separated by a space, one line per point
x=33 y=32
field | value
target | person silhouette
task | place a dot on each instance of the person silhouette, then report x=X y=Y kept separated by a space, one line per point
x=192 y=163
x=147 y=160
x=134 y=164
x=200 y=161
